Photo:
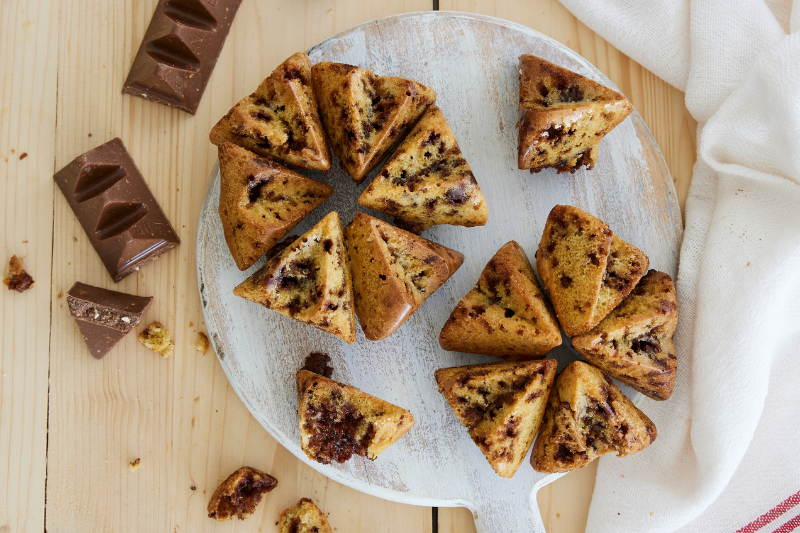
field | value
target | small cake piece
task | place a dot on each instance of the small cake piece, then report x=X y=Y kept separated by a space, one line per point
x=338 y=421
x=506 y=314
x=17 y=279
x=587 y=416
x=239 y=495
x=134 y=465
x=202 y=343
x=634 y=342
x=564 y=116
x=586 y=269
x=427 y=181
x=309 y=281
x=394 y=272
x=365 y=115
x=305 y=517
x=260 y=202
x=280 y=119
x=502 y=404
x=158 y=339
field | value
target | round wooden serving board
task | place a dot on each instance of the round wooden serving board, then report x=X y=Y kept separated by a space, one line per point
x=471 y=62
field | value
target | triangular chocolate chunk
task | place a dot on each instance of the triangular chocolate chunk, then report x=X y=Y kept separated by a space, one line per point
x=338 y=421
x=506 y=314
x=280 y=119
x=261 y=201
x=427 y=181
x=587 y=416
x=586 y=269
x=394 y=272
x=564 y=116
x=634 y=342
x=98 y=338
x=502 y=404
x=366 y=115
x=309 y=281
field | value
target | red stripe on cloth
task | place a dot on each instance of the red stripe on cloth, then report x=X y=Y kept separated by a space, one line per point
x=791 y=525
x=772 y=514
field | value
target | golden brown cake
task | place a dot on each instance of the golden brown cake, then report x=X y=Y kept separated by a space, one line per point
x=17 y=279
x=427 y=181
x=260 y=201
x=280 y=119
x=502 y=404
x=366 y=115
x=305 y=517
x=586 y=269
x=506 y=314
x=587 y=416
x=155 y=337
x=239 y=495
x=394 y=272
x=634 y=342
x=338 y=421
x=309 y=281
x=564 y=116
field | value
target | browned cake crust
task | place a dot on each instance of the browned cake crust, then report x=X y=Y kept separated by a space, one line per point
x=305 y=517
x=564 y=116
x=502 y=404
x=587 y=416
x=506 y=314
x=239 y=495
x=280 y=119
x=427 y=181
x=586 y=269
x=634 y=342
x=261 y=201
x=394 y=272
x=309 y=281
x=338 y=421
x=17 y=279
x=365 y=115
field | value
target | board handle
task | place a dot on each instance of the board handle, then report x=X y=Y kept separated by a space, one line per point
x=511 y=512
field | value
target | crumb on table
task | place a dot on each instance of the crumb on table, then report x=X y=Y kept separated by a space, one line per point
x=17 y=279
x=133 y=466
x=240 y=494
x=202 y=343
x=158 y=339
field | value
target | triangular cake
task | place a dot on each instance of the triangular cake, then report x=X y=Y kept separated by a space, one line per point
x=586 y=269
x=502 y=404
x=564 y=116
x=427 y=181
x=394 y=272
x=587 y=416
x=365 y=115
x=260 y=201
x=506 y=314
x=280 y=119
x=338 y=421
x=634 y=342
x=309 y=281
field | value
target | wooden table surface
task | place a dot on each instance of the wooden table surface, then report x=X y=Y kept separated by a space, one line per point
x=69 y=425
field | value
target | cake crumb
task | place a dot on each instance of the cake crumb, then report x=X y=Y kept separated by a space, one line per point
x=17 y=279
x=158 y=339
x=239 y=495
x=133 y=466
x=202 y=343
x=191 y=324
x=23 y=155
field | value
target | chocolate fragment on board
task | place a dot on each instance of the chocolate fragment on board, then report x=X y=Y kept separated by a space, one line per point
x=104 y=316
x=17 y=279
x=179 y=51
x=120 y=215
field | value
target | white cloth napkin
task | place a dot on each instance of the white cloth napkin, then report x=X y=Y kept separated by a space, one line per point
x=727 y=448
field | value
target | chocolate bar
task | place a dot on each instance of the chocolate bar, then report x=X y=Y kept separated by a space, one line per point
x=179 y=51
x=116 y=209
x=104 y=316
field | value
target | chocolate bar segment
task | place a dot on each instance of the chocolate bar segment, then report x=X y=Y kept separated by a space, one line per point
x=116 y=208
x=179 y=51
x=104 y=316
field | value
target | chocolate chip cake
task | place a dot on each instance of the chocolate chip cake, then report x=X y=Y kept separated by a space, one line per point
x=239 y=495
x=305 y=517
x=338 y=421
x=587 y=416
x=634 y=342
x=502 y=404
x=506 y=314
x=366 y=115
x=309 y=281
x=394 y=272
x=279 y=119
x=427 y=181
x=564 y=116
x=261 y=201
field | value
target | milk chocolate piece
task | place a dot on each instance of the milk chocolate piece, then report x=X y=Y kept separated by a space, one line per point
x=179 y=51
x=104 y=316
x=116 y=209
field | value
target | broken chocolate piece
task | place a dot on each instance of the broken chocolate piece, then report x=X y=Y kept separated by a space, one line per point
x=239 y=495
x=120 y=215
x=17 y=279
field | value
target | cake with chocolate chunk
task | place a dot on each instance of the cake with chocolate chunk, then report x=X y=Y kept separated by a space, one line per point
x=239 y=495
x=305 y=517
